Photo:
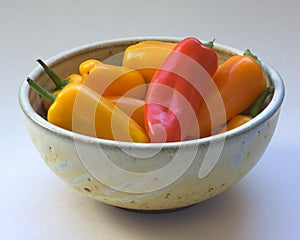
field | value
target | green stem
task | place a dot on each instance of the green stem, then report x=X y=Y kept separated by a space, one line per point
x=40 y=90
x=257 y=105
x=53 y=75
x=210 y=44
x=65 y=82
x=250 y=54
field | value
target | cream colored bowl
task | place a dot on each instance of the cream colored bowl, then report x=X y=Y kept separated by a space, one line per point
x=146 y=176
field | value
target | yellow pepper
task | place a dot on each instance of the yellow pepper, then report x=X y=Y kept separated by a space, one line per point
x=46 y=103
x=58 y=82
x=133 y=107
x=78 y=108
x=86 y=66
x=73 y=78
x=112 y=80
x=147 y=56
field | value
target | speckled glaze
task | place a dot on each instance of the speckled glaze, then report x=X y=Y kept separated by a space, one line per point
x=77 y=159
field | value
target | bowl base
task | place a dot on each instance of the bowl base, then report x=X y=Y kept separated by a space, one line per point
x=149 y=211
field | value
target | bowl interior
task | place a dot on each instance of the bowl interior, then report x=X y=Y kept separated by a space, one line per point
x=112 y=52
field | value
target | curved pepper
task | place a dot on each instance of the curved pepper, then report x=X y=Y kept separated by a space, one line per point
x=255 y=109
x=147 y=56
x=78 y=108
x=174 y=93
x=73 y=78
x=240 y=80
x=86 y=66
x=112 y=80
x=58 y=82
x=133 y=107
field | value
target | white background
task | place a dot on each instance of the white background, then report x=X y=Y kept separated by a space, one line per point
x=35 y=204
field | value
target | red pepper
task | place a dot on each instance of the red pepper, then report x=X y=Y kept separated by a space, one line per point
x=174 y=93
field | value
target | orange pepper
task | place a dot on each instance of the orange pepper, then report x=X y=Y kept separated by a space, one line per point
x=133 y=107
x=239 y=80
x=237 y=121
x=255 y=109
x=112 y=80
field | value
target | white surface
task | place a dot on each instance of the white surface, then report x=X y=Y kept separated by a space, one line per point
x=35 y=204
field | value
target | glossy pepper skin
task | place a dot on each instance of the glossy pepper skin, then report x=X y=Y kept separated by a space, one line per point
x=240 y=80
x=255 y=109
x=113 y=80
x=57 y=81
x=133 y=107
x=174 y=93
x=86 y=66
x=79 y=109
x=76 y=102
x=147 y=56
x=73 y=78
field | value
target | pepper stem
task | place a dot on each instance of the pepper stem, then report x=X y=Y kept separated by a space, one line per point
x=210 y=44
x=40 y=90
x=257 y=105
x=247 y=52
x=53 y=75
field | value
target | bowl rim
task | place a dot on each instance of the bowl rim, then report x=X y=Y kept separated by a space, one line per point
x=23 y=98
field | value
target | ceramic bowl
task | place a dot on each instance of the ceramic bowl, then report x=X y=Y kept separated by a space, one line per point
x=146 y=176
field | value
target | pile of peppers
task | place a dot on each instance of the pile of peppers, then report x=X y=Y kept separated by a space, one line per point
x=162 y=92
